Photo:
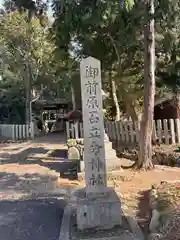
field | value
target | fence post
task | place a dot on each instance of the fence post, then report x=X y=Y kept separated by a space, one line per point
x=172 y=129
x=166 y=132
x=178 y=129
x=118 y=131
x=72 y=130
x=17 y=132
x=154 y=135
x=121 y=131
x=32 y=130
x=13 y=132
x=159 y=128
x=20 y=131
x=126 y=131
x=76 y=129
x=3 y=127
x=24 y=131
x=67 y=129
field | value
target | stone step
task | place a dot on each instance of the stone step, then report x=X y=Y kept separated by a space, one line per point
x=108 y=145
x=109 y=150
x=110 y=154
x=60 y=167
x=113 y=162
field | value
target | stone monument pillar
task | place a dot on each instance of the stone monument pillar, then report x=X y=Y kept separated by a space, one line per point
x=97 y=205
x=93 y=125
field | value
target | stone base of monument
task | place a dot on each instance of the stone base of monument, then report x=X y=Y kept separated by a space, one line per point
x=112 y=175
x=123 y=232
x=102 y=211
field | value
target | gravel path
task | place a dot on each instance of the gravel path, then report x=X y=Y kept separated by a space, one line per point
x=24 y=216
x=33 y=219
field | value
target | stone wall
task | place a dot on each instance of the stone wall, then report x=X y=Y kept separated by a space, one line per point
x=77 y=143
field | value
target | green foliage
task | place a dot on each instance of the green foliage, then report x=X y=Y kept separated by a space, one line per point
x=15 y=53
x=12 y=102
x=105 y=31
x=168 y=40
x=112 y=31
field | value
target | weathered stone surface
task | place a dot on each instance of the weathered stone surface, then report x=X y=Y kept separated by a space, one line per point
x=97 y=206
x=100 y=212
x=111 y=175
x=154 y=236
x=123 y=236
x=93 y=125
x=73 y=153
x=154 y=224
x=82 y=166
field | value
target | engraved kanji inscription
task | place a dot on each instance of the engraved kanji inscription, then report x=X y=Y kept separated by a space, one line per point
x=99 y=179
x=93 y=117
x=94 y=132
x=92 y=102
x=95 y=148
x=96 y=163
x=91 y=87
x=91 y=72
x=96 y=180
x=92 y=180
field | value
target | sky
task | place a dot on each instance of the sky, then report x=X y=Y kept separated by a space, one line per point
x=1 y=2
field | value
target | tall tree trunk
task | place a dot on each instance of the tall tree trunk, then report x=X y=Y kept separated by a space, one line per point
x=28 y=93
x=176 y=102
x=28 y=68
x=145 y=147
x=115 y=99
x=176 y=88
x=73 y=97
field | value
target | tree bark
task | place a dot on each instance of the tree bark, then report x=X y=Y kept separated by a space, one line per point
x=177 y=103
x=145 y=146
x=28 y=93
x=115 y=99
x=73 y=97
x=28 y=69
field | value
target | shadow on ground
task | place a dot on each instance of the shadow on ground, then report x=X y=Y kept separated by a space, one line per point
x=34 y=219
x=144 y=213
x=11 y=183
x=56 y=161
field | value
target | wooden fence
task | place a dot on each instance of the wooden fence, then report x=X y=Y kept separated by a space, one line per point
x=164 y=131
x=74 y=130
x=17 y=132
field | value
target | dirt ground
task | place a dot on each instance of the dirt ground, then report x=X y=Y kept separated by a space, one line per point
x=135 y=193
x=133 y=187
x=134 y=190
